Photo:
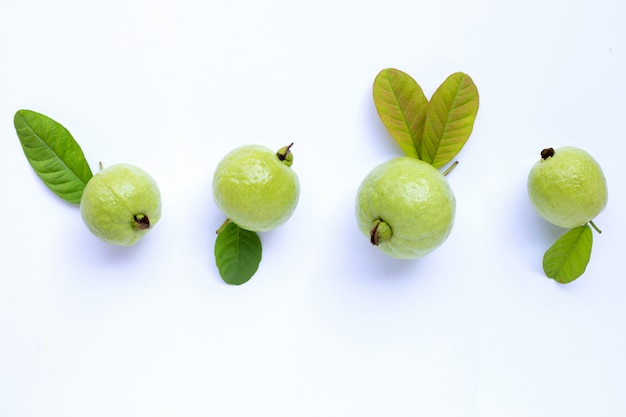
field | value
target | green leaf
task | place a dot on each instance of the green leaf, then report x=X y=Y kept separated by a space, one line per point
x=54 y=154
x=568 y=257
x=401 y=105
x=449 y=119
x=237 y=254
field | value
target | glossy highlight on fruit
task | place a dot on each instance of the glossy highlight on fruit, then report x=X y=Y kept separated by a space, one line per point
x=405 y=207
x=567 y=187
x=256 y=188
x=120 y=204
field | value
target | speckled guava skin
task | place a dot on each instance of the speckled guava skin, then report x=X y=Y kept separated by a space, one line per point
x=255 y=189
x=113 y=201
x=414 y=199
x=567 y=189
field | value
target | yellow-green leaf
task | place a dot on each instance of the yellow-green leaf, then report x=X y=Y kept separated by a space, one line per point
x=449 y=120
x=401 y=105
x=568 y=257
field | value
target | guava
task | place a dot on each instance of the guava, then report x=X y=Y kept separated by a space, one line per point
x=405 y=207
x=567 y=187
x=120 y=204
x=256 y=188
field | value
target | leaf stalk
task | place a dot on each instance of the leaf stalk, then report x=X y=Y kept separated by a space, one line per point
x=450 y=168
x=594 y=226
x=223 y=226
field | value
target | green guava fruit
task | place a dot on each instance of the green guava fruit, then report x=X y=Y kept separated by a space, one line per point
x=405 y=207
x=120 y=204
x=567 y=187
x=256 y=188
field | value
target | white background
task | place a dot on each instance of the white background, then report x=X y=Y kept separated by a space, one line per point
x=328 y=326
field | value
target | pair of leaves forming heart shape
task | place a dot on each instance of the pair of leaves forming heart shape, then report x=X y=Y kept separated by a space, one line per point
x=434 y=131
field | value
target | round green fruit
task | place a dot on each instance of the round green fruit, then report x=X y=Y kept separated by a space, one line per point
x=256 y=188
x=567 y=187
x=405 y=207
x=120 y=204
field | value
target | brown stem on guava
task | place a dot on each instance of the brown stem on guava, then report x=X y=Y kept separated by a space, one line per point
x=594 y=226
x=447 y=171
x=547 y=153
x=101 y=166
x=380 y=232
x=142 y=221
x=223 y=226
x=284 y=154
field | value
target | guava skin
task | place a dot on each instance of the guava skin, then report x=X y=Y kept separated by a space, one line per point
x=406 y=207
x=567 y=187
x=120 y=204
x=255 y=188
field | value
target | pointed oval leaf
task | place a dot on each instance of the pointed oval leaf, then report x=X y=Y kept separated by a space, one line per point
x=568 y=257
x=237 y=254
x=449 y=119
x=54 y=154
x=401 y=105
